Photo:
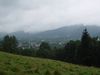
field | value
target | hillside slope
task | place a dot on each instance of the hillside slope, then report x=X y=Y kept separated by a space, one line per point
x=69 y=32
x=20 y=65
x=63 y=34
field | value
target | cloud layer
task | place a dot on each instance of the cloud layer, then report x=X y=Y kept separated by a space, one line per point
x=40 y=15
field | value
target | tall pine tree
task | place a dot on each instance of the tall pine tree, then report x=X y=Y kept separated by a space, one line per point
x=9 y=43
x=85 y=48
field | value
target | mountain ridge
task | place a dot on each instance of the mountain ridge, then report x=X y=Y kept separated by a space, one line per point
x=73 y=32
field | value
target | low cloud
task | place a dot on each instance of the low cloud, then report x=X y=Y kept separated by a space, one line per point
x=40 y=15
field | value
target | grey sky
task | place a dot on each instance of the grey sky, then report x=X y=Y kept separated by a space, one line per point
x=39 y=15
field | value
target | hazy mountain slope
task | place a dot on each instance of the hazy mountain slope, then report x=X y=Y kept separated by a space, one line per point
x=68 y=32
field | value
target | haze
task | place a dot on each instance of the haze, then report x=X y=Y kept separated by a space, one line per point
x=41 y=15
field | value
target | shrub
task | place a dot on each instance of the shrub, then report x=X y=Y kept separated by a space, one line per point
x=48 y=72
x=57 y=72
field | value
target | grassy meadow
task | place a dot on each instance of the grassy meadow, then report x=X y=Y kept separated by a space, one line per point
x=21 y=65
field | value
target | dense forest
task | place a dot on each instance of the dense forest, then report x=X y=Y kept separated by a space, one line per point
x=85 y=51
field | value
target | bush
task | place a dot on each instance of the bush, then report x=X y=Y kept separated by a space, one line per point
x=2 y=72
x=57 y=72
x=48 y=72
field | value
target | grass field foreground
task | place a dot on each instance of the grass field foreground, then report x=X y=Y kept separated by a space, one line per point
x=21 y=65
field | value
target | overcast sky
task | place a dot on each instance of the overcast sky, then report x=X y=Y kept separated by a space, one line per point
x=40 y=15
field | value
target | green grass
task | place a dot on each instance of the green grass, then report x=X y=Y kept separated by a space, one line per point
x=20 y=65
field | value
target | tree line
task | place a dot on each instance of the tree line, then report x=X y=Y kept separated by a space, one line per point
x=85 y=51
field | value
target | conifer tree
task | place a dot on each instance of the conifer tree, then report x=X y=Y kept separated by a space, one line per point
x=9 y=43
x=85 y=50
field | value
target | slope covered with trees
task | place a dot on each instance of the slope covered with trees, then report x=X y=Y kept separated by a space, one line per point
x=85 y=51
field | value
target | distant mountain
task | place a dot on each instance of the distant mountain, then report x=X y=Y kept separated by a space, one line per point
x=64 y=33
x=69 y=32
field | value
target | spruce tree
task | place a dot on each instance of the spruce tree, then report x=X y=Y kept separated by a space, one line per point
x=85 y=50
x=44 y=50
x=6 y=43
x=9 y=43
